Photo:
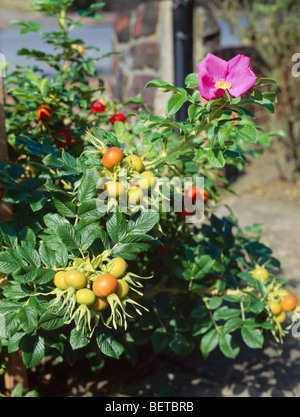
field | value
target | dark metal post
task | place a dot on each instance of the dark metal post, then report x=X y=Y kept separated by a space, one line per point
x=183 y=45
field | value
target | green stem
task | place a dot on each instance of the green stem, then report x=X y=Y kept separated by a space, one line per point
x=212 y=318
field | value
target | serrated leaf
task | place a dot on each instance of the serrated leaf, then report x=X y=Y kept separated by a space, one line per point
x=108 y=345
x=33 y=351
x=64 y=206
x=62 y=256
x=228 y=346
x=30 y=255
x=191 y=80
x=216 y=158
x=248 y=132
x=53 y=220
x=27 y=238
x=116 y=226
x=78 y=340
x=51 y=321
x=8 y=264
x=90 y=234
x=89 y=185
x=252 y=337
x=175 y=102
x=143 y=222
x=8 y=234
x=28 y=318
x=209 y=342
x=67 y=234
x=129 y=251
x=225 y=313
x=89 y=210
x=47 y=255
x=232 y=324
x=203 y=266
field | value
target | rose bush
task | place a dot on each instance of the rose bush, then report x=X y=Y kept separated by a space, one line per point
x=101 y=258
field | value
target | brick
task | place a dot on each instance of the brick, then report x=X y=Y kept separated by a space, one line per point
x=122 y=27
x=137 y=86
x=121 y=83
x=145 y=55
x=146 y=19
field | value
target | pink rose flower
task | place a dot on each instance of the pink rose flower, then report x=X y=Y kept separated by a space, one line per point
x=215 y=76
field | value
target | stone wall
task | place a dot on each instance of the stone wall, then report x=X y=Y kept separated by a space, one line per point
x=144 y=39
x=20 y=5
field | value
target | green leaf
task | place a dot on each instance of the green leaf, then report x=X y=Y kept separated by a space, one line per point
x=51 y=321
x=265 y=81
x=47 y=255
x=228 y=346
x=43 y=275
x=64 y=206
x=203 y=266
x=192 y=110
x=175 y=102
x=108 y=345
x=257 y=307
x=143 y=222
x=164 y=85
x=134 y=238
x=225 y=313
x=27 y=238
x=209 y=342
x=232 y=324
x=28 y=318
x=116 y=226
x=215 y=302
x=248 y=132
x=66 y=233
x=179 y=344
x=89 y=185
x=62 y=256
x=212 y=134
x=17 y=392
x=160 y=340
x=252 y=337
x=30 y=255
x=16 y=341
x=33 y=351
x=90 y=234
x=78 y=340
x=8 y=234
x=191 y=81
x=129 y=251
x=53 y=220
x=8 y=263
x=88 y=210
x=216 y=158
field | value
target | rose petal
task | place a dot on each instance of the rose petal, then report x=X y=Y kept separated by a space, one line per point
x=215 y=66
x=240 y=75
x=207 y=87
x=211 y=70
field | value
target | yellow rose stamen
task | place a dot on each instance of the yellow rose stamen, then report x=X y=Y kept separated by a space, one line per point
x=225 y=85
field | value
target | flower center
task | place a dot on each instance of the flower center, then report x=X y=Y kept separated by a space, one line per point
x=225 y=85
